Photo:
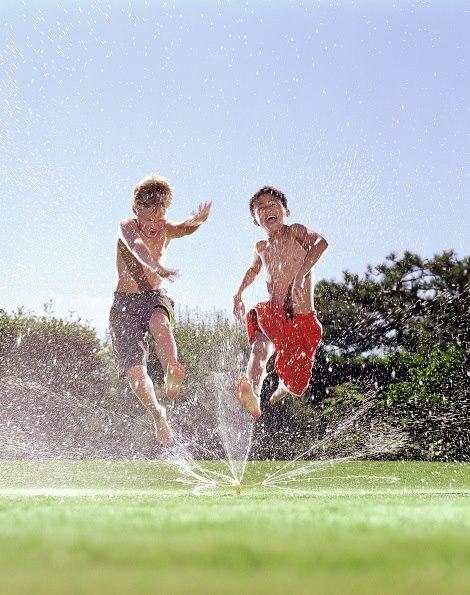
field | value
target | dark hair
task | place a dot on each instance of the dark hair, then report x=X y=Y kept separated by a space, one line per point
x=267 y=190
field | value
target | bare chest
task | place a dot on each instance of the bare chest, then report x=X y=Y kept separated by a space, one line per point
x=156 y=246
x=285 y=255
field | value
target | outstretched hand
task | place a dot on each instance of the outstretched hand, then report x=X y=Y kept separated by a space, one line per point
x=199 y=215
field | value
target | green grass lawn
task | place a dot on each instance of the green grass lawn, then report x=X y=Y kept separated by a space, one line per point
x=127 y=527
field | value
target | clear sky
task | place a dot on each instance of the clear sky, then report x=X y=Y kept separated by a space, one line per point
x=358 y=111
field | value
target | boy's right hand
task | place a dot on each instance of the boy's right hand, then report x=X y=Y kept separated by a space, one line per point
x=239 y=308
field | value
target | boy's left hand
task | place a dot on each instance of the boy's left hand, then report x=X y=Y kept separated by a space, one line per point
x=200 y=215
x=297 y=288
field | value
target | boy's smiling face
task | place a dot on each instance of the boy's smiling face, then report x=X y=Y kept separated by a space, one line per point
x=270 y=213
x=150 y=218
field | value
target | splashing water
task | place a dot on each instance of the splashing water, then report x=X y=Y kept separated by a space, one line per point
x=234 y=428
x=202 y=466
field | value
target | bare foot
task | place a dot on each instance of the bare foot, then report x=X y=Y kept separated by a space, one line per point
x=279 y=394
x=247 y=397
x=174 y=379
x=163 y=430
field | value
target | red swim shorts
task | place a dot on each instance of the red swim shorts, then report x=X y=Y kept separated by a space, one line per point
x=295 y=339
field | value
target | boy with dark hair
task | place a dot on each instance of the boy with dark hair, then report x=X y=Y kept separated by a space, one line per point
x=287 y=323
x=141 y=306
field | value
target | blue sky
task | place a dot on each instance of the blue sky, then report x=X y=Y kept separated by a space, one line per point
x=358 y=111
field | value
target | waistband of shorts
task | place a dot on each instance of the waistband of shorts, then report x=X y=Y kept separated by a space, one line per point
x=312 y=313
x=127 y=294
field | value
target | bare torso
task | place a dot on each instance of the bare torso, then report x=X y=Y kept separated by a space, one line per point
x=133 y=277
x=283 y=256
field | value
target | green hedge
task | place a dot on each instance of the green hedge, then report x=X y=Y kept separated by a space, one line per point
x=64 y=355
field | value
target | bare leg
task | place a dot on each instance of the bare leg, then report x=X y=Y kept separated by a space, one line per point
x=279 y=394
x=261 y=350
x=248 y=388
x=142 y=387
x=165 y=347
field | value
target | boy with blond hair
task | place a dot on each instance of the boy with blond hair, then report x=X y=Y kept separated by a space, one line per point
x=287 y=322
x=141 y=305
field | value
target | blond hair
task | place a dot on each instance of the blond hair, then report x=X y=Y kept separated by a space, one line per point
x=152 y=191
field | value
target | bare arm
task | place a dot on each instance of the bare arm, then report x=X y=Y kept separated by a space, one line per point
x=248 y=278
x=313 y=243
x=128 y=233
x=189 y=225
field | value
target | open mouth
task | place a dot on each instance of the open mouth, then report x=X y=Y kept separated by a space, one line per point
x=271 y=219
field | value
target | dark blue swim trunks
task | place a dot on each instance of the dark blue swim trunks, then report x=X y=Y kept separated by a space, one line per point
x=129 y=325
